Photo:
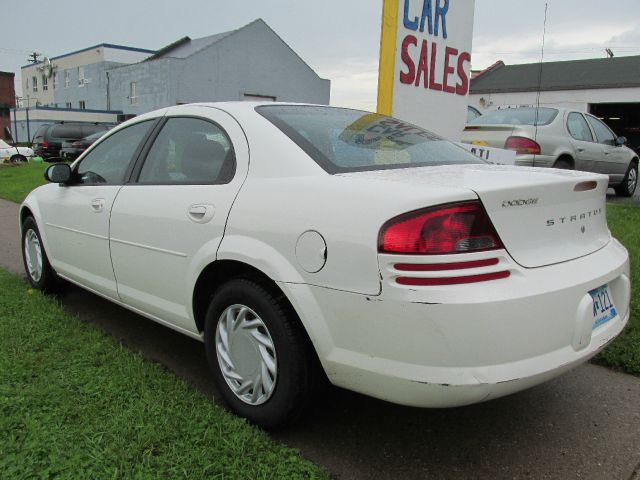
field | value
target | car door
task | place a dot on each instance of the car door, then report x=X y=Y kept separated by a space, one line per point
x=613 y=161
x=587 y=151
x=167 y=224
x=76 y=216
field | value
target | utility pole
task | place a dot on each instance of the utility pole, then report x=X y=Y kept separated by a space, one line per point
x=34 y=57
x=27 y=111
x=15 y=120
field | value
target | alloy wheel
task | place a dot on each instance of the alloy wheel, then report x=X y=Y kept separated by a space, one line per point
x=632 y=180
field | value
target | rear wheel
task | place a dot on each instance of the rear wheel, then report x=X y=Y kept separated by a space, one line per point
x=36 y=264
x=259 y=355
x=563 y=164
x=18 y=159
x=628 y=186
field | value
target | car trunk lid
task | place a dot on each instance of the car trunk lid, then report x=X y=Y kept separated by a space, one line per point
x=543 y=216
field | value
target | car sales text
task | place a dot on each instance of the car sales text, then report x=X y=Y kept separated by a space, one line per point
x=422 y=62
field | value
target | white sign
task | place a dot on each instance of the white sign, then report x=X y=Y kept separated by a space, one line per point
x=497 y=156
x=425 y=63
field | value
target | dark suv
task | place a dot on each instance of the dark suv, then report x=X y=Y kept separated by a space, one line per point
x=47 y=141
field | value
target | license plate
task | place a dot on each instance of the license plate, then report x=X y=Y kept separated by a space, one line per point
x=480 y=143
x=603 y=307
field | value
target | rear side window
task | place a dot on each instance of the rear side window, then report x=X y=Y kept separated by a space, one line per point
x=189 y=151
x=603 y=133
x=109 y=161
x=344 y=140
x=472 y=113
x=578 y=128
x=517 y=116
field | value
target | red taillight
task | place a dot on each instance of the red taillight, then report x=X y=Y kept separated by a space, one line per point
x=437 y=281
x=438 y=267
x=45 y=144
x=453 y=228
x=522 y=146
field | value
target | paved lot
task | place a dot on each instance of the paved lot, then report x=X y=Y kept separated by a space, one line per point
x=585 y=424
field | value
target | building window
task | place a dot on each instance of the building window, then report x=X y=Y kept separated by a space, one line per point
x=68 y=105
x=34 y=84
x=55 y=80
x=133 y=98
x=45 y=83
x=66 y=79
x=82 y=104
x=81 y=76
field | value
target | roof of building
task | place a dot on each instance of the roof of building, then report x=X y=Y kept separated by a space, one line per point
x=186 y=46
x=104 y=45
x=616 y=72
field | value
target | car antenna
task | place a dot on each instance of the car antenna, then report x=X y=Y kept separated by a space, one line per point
x=535 y=123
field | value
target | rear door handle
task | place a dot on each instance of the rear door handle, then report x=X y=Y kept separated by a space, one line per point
x=97 y=204
x=201 y=213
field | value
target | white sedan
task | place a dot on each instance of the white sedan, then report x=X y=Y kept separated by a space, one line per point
x=302 y=241
x=9 y=154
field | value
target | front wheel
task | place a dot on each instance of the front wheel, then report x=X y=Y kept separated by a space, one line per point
x=628 y=186
x=18 y=159
x=259 y=355
x=36 y=264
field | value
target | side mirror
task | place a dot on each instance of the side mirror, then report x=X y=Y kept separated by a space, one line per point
x=620 y=141
x=58 y=173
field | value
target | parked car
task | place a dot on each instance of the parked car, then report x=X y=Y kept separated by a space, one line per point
x=560 y=138
x=73 y=148
x=48 y=139
x=301 y=241
x=11 y=154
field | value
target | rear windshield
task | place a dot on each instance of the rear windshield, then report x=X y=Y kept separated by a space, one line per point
x=76 y=131
x=343 y=140
x=517 y=116
x=40 y=133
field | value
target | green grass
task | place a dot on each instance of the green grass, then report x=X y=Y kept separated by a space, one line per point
x=74 y=403
x=17 y=181
x=624 y=352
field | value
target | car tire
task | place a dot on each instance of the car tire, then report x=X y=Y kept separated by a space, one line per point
x=563 y=164
x=261 y=359
x=36 y=263
x=18 y=159
x=628 y=186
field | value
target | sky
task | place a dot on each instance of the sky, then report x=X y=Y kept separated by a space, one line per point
x=339 y=39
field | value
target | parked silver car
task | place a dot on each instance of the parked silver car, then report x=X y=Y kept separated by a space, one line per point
x=560 y=138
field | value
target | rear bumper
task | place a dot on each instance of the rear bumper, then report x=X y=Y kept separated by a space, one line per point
x=535 y=160
x=444 y=347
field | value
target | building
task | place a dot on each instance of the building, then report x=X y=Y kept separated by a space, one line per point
x=76 y=80
x=7 y=102
x=250 y=63
x=608 y=88
x=114 y=82
x=71 y=87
